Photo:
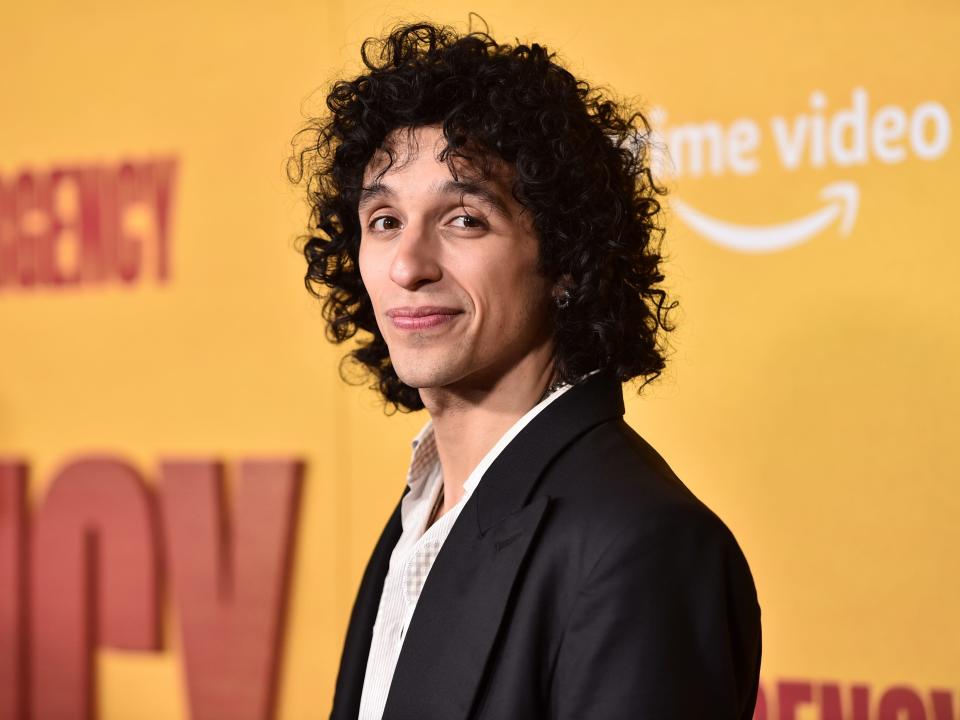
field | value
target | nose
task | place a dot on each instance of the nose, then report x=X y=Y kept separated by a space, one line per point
x=415 y=262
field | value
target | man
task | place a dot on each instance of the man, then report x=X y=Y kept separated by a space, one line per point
x=488 y=223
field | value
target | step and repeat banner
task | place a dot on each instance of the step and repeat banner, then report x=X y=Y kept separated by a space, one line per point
x=188 y=490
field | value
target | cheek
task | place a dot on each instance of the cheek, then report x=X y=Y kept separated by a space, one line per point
x=368 y=274
x=518 y=300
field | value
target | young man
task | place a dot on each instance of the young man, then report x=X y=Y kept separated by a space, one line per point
x=489 y=223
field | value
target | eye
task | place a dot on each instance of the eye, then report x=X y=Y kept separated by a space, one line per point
x=468 y=221
x=384 y=222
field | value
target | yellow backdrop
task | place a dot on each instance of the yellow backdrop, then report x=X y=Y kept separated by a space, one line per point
x=811 y=396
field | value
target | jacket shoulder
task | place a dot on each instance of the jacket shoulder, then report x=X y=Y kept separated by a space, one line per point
x=663 y=611
x=612 y=492
x=613 y=472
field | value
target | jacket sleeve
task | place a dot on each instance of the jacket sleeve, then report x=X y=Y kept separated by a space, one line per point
x=666 y=626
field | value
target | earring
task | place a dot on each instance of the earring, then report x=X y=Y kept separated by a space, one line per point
x=562 y=299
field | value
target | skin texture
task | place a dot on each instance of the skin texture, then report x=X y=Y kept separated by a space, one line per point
x=429 y=242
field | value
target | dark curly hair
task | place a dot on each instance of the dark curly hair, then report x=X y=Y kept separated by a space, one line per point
x=582 y=170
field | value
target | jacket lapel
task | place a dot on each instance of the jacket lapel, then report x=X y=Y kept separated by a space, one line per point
x=464 y=598
x=457 y=617
x=353 y=664
x=512 y=477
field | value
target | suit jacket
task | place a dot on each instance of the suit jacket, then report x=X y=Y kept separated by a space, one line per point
x=582 y=581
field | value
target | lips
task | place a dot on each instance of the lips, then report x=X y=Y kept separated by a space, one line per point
x=421 y=317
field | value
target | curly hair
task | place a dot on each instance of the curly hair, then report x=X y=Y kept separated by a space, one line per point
x=582 y=170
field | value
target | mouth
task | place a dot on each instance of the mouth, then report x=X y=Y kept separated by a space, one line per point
x=423 y=317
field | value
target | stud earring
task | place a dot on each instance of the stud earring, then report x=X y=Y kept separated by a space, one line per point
x=562 y=299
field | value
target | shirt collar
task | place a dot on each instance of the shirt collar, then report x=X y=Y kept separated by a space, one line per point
x=423 y=456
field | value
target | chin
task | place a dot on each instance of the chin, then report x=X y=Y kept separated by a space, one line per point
x=425 y=377
x=427 y=372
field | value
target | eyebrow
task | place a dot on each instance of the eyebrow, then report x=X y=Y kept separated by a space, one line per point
x=460 y=188
x=369 y=193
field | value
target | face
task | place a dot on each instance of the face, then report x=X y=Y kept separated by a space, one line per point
x=450 y=267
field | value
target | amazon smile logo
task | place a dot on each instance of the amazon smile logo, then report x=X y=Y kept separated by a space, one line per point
x=851 y=135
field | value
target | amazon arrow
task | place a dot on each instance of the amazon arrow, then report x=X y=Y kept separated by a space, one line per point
x=842 y=199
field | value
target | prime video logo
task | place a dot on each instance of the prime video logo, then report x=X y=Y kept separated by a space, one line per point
x=849 y=136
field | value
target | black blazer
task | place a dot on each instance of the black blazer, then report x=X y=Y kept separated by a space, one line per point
x=582 y=581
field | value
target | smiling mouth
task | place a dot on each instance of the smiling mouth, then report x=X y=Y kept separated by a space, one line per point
x=421 y=318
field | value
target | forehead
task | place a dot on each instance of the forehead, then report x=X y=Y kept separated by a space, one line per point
x=424 y=146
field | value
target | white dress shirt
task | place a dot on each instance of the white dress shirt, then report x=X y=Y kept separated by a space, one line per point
x=415 y=552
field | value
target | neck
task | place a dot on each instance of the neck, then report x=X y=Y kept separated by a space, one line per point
x=469 y=419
